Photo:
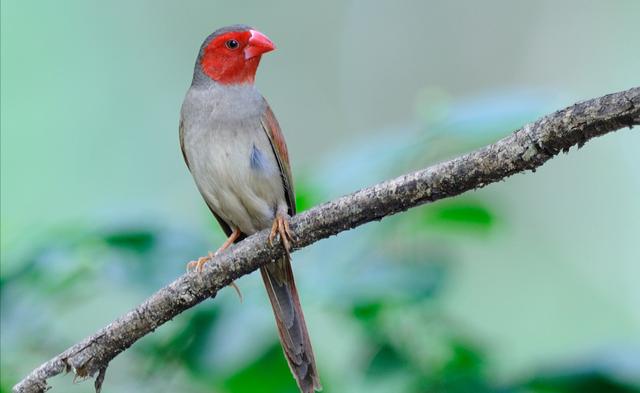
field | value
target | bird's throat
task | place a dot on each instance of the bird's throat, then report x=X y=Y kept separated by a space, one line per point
x=228 y=71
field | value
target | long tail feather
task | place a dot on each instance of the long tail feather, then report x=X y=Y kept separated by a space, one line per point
x=278 y=279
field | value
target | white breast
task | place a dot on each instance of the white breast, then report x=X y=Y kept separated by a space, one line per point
x=230 y=156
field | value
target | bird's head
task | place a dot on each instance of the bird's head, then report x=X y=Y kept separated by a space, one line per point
x=231 y=54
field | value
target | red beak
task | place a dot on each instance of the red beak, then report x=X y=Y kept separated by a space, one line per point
x=258 y=44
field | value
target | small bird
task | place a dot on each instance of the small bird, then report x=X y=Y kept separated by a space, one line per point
x=233 y=147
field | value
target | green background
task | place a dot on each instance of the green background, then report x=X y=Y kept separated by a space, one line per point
x=529 y=285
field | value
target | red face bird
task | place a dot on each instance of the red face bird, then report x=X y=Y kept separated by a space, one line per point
x=233 y=146
x=233 y=57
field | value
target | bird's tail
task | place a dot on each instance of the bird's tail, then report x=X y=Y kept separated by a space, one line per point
x=278 y=279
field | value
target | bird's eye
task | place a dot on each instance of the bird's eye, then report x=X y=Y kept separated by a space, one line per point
x=232 y=44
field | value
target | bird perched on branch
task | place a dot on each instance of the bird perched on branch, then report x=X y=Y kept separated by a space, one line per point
x=233 y=146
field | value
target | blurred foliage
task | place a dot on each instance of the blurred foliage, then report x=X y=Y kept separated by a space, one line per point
x=268 y=373
x=586 y=382
x=408 y=344
x=307 y=194
x=472 y=215
x=480 y=293
x=373 y=302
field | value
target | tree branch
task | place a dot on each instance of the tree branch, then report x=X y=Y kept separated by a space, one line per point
x=525 y=149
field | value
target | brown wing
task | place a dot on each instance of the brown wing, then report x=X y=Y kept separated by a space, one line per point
x=279 y=146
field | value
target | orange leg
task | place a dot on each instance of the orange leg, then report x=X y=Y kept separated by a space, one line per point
x=198 y=265
x=281 y=228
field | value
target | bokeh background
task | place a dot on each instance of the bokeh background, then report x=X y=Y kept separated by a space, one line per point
x=529 y=285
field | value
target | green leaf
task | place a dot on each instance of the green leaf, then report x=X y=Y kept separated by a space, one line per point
x=386 y=361
x=585 y=382
x=367 y=312
x=460 y=215
x=189 y=345
x=307 y=195
x=268 y=373
x=140 y=241
x=3 y=388
x=466 y=361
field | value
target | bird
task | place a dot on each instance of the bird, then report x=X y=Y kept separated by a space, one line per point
x=233 y=146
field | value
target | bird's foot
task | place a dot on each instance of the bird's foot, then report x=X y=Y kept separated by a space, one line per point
x=280 y=227
x=199 y=263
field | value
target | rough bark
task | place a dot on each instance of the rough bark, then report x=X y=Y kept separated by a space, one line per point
x=525 y=149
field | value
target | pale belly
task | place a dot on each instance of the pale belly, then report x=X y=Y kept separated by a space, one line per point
x=238 y=175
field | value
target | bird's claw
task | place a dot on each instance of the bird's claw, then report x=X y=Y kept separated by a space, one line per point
x=281 y=228
x=198 y=265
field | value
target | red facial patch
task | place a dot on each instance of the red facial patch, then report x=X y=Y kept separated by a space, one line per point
x=224 y=59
